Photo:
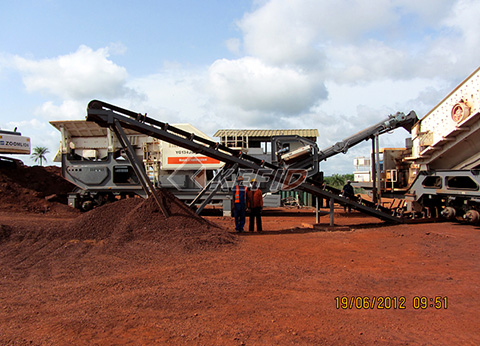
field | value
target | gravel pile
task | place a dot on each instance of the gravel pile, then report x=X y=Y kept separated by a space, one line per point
x=138 y=220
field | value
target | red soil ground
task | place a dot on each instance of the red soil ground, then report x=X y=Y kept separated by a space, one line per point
x=123 y=275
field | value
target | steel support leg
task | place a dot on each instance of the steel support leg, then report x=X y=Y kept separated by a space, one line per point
x=137 y=166
x=220 y=175
x=332 y=211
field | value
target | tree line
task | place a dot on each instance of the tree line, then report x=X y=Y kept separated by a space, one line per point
x=338 y=180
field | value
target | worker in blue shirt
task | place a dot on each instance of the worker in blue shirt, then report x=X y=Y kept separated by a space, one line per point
x=239 y=204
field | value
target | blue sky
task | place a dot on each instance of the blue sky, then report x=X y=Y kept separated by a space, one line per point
x=153 y=31
x=336 y=66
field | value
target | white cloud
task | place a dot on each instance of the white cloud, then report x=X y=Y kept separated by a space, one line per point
x=83 y=74
x=268 y=36
x=427 y=12
x=252 y=85
x=72 y=79
x=178 y=95
x=368 y=62
x=365 y=40
x=68 y=110
x=32 y=123
x=234 y=45
x=462 y=46
x=174 y=95
x=117 y=48
x=3 y=63
x=286 y=32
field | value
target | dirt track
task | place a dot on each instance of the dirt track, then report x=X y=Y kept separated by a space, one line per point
x=277 y=288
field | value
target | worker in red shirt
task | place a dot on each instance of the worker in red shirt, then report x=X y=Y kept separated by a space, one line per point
x=239 y=204
x=255 y=204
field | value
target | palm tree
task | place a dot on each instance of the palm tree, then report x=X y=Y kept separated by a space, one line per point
x=338 y=180
x=39 y=154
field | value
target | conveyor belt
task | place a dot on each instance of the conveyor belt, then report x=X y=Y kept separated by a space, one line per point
x=107 y=115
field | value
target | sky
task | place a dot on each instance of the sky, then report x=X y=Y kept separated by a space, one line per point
x=336 y=66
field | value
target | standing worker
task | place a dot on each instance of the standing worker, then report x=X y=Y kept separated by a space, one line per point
x=348 y=193
x=255 y=204
x=239 y=198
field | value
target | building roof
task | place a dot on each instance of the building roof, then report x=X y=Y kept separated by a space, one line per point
x=267 y=133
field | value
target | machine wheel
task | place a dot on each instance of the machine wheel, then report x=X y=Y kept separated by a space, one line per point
x=86 y=205
x=449 y=213
x=472 y=216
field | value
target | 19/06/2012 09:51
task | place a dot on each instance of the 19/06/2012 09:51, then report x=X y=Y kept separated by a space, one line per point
x=390 y=302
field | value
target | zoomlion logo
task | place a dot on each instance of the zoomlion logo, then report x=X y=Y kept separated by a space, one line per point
x=14 y=144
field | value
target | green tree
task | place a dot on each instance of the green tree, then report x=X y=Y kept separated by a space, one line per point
x=39 y=154
x=338 y=180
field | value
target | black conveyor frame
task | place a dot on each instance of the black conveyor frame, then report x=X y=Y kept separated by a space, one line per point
x=107 y=115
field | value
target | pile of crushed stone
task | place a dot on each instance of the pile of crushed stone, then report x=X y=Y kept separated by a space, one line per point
x=131 y=221
x=34 y=189
x=139 y=220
